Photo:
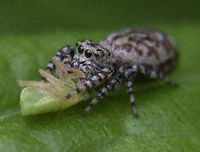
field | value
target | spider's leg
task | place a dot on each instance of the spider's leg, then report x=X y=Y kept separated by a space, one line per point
x=129 y=75
x=90 y=81
x=87 y=85
x=65 y=55
x=101 y=94
x=167 y=79
x=157 y=75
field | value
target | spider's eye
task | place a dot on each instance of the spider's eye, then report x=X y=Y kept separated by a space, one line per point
x=80 y=49
x=88 y=53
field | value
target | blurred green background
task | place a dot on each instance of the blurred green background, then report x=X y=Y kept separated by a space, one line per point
x=32 y=31
x=46 y=16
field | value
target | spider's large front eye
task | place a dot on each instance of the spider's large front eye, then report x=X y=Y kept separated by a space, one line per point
x=88 y=53
x=80 y=49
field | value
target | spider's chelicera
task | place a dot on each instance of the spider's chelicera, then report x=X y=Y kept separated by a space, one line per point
x=119 y=58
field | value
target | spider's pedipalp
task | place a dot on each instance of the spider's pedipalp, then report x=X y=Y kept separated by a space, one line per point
x=64 y=55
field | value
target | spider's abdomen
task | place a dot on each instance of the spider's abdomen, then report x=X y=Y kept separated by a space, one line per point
x=142 y=47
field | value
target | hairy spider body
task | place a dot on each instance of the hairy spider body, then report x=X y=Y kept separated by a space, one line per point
x=120 y=57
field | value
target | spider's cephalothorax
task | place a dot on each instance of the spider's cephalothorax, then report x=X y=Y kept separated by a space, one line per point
x=122 y=56
x=96 y=63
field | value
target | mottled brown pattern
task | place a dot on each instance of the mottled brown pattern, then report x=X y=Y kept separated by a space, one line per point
x=127 y=46
x=156 y=45
x=153 y=51
x=117 y=47
x=93 y=44
x=138 y=51
x=134 y=39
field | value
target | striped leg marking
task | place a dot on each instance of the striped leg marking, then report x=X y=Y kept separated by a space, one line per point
x=110 y=86
x=157 y=75
x=167 y=80
x=76 y=91
x=163 y=77
x=129 y=75
x=130 y=90
x=88 y=84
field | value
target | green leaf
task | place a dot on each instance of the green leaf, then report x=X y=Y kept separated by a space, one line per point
x=169 y=117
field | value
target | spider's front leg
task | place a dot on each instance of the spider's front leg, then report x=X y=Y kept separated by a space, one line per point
x=101 y=94
x=112 y=84
x=64 y=55
x=77 y=91
x=87 y=84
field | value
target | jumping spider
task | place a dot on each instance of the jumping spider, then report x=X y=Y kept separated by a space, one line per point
x=120 y=57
